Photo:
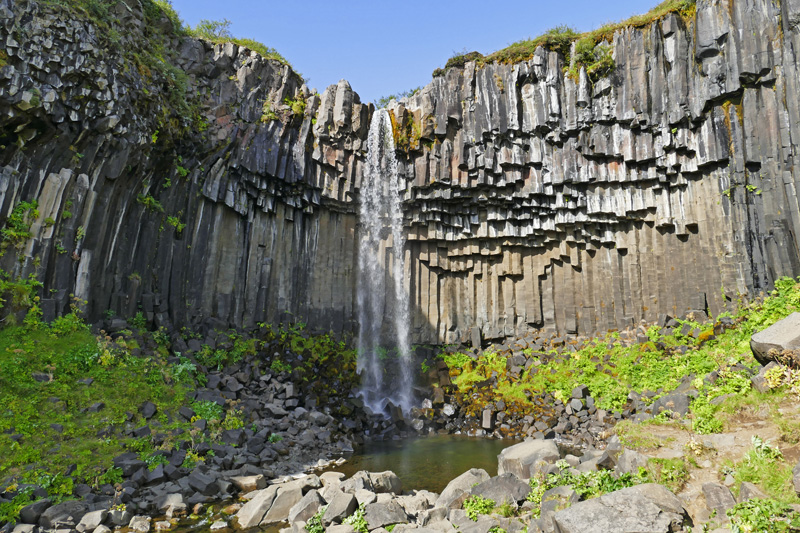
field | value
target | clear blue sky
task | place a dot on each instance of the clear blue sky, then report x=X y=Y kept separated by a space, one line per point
x=383 y=48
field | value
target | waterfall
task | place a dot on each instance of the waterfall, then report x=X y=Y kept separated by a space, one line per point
x=384 y=352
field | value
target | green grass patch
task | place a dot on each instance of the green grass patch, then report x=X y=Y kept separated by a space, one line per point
x=765 y=466
x=611 y=368
x=50 y=419
x=672 y=473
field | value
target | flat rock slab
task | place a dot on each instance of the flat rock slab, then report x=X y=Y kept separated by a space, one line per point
x=648 y=508
x=458 y=490
x=503 y=488
x=527 y=458
x=251 y=513
x=384 y=514
x=782 y=335
x=340 y=506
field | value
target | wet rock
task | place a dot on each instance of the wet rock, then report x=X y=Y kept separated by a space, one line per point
x=140 y=524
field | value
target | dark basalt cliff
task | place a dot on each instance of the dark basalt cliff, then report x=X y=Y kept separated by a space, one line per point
x=534 y=200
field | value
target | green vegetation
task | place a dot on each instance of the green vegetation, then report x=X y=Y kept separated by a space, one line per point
x=17 y=228
x=672 y=473
x=383 y=101
x=65 y=396
x=219 y=358
x=314 y=524
x=763 y=515
x=357 y=520
x=218 y=31
x=267 y=113
x=636 y=436
x=587 y=484
x=477 y=505
x=150 y=203
x=764 y=465
x=175 y=222
x=611 y=368
x=591 y=48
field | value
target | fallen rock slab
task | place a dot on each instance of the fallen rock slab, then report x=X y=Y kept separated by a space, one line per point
x=782 y=335
x=527 y=458
x=648 y=508
x=459 y=489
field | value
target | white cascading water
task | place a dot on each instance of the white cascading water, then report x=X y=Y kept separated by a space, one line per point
x=384 y=358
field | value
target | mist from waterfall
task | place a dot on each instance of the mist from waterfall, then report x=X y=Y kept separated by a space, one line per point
x=384 y=358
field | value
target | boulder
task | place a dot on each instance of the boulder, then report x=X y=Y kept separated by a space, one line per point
x=249 y=483
x=30 y=513
x=385 y=482
x=796 y=478
x=140 y=524
x=384 y=514
x=63 y=514
x=288 y=496
x=718 y=498
x=554 y=500
x=748 y=491
x=459 y=489
x=527 y=458
x=251 y=513
x=759 y=381
x=503 y=488
x=92 y=520
x=340 y=506
x=782 y=335
x=677 y=402
x=306 y=507
x=630 y=461
x=647 y=508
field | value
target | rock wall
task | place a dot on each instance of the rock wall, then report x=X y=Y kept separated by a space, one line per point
x=537 y=200
x=534 y=200
x=268 y=204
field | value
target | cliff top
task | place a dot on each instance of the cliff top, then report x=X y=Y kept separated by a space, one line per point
x=561 y=38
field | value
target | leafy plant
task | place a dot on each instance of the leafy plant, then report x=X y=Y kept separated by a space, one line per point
x=766 y=515
x=357 y=520
x=314 y=524
x=150 y=203
x=672 y=473
x=208 y=410
x=477 y=505
x=18 y=225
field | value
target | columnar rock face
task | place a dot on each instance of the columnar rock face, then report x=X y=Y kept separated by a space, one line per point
x=534 y=200
x=538 y=200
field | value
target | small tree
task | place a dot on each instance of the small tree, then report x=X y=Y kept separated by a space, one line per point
x=213 y=30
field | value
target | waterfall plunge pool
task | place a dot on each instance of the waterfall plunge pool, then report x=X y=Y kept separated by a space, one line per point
x=426 y=463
